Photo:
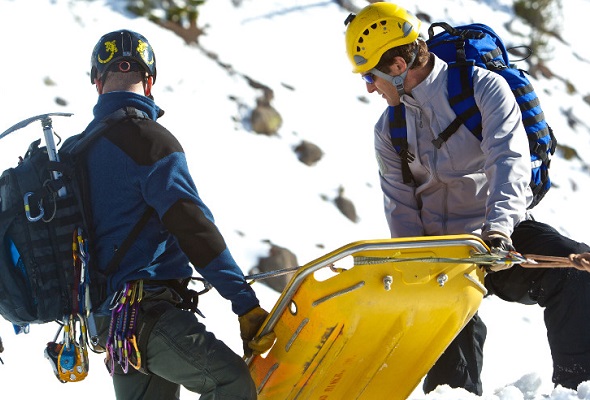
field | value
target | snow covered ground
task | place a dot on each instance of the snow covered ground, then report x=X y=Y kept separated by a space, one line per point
x=255 y=186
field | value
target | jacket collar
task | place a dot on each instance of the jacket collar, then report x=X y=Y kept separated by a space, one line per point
x=430 y=87
x=110 y=102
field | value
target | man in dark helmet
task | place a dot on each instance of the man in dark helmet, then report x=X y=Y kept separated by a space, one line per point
x=136 y=165
x=123 y=51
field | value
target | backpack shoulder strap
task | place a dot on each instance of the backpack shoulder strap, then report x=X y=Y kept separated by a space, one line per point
x=473 y=44
x=398 y=133
x=462 y=101
x=77 y=150
x=74 y=148
x=128 y=241
x=88 y=137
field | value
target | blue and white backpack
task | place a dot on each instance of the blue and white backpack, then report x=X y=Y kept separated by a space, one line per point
x=464 y=47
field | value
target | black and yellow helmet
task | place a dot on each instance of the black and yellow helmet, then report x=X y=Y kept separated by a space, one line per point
x=127 y=49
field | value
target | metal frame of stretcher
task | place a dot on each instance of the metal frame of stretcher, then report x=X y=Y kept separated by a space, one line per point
x=373 y=330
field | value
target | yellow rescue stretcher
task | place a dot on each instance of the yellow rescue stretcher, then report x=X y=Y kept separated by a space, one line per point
x=372 y=330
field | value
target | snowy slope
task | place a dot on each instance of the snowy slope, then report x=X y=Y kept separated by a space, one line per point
x=255 y=186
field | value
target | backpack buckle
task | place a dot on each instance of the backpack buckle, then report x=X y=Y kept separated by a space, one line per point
x=406 y=155
x=495 y=65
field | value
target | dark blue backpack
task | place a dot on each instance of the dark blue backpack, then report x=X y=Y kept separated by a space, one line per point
x=40 y=224
x=464 y=47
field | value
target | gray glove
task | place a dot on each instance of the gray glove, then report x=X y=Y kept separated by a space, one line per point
x=499 y=244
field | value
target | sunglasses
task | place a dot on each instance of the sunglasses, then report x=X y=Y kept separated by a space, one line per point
x=369 y=78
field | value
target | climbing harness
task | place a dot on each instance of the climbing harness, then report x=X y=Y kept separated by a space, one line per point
x=127 y=336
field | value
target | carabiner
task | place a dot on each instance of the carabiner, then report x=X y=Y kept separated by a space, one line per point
x=28 y=208
x=134 y=352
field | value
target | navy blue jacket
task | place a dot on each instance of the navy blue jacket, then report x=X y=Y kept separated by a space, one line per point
x=136 y=164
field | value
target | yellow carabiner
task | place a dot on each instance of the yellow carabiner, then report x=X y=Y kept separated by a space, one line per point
x=135 y=351
x=140 y=290
x=132 y=294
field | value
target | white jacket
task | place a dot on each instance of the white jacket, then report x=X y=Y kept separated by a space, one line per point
x=466 y=186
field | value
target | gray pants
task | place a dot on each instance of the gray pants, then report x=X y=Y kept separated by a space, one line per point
x=180 y=351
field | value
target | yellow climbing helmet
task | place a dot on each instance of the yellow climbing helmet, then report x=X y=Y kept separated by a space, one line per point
x=376 y=29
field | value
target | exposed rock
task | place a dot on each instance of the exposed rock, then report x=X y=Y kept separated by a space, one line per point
x=190 y=34
x=346 y=206
x=265 y=119
x=350 y=5
x=567 y=152
x=364 y=99
x=48 y=81
x=425 y=18
x=308 y=153
x=541 y=69
x=572 y=120
x=278 y=258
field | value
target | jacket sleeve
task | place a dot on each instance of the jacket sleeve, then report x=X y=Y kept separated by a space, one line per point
x=168 y=187
x=199 y=238
x=402 y=210
x=504 y=142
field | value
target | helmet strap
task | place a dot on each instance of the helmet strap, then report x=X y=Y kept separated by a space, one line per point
x=398 y=80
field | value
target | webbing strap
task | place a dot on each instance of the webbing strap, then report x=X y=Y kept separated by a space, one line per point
x=529 y=105
x=76 y=151
x=532 y=120
x=489 y=56
x=462 y=101
x=399 y=139
x=113 y=118
x=446 y=134
x=523 y=90
x=126 y=245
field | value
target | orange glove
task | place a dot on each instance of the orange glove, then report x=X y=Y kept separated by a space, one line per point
x=250 y=324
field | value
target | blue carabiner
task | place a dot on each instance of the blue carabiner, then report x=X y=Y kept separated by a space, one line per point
x=28 y=208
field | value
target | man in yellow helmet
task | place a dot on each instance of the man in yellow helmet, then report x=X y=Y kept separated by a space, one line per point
x=466 y=186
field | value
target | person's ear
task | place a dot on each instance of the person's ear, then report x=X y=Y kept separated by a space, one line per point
x=98 y=84
x=147 y=88
x=398 y=66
